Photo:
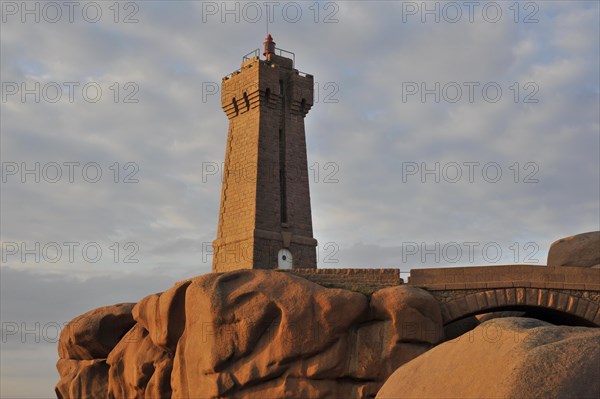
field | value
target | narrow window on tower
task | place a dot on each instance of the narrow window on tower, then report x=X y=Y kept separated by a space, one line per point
x=246 y=101
x=282 y=188
x=282 y=179
x=235 y=106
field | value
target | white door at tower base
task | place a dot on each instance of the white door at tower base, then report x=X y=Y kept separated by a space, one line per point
x=284 y=259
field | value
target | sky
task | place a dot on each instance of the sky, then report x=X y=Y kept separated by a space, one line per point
x=442 y=134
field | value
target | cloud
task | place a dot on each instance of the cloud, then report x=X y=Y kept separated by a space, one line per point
x=34 y=309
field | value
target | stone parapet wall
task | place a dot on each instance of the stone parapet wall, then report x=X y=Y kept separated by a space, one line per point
x=362 y=280
x=456 y=278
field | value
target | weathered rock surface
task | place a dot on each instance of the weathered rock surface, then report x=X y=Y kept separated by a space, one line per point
x=505 y=358
x=138 y=368
x=163 y=315
x=95 y=333
x=84 y=346
x=264 y=334
x=84 y=379
x=581 y=250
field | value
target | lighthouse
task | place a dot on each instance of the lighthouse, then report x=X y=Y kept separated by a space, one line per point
x=265 y=219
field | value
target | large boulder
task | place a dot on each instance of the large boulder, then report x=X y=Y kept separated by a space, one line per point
x=581 y=250
x=138 y=368
x=82 y=379
x=84 y=345
x=95 y=333
x=257 y=334
x=505 y=358
x=263 y=333
x=163 y=315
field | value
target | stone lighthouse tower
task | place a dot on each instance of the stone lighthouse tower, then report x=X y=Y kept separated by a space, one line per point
x=265 y=217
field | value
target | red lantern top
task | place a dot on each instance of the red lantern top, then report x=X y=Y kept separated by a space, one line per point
x=269 y=46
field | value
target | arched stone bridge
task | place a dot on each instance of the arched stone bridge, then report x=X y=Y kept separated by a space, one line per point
x=567 y=295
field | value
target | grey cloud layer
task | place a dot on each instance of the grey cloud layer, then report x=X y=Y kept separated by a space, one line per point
x=370 y=214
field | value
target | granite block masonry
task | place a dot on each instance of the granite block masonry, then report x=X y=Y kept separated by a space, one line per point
x=265 y=216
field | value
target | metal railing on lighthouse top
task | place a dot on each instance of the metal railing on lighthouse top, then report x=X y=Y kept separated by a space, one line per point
x=278 y=51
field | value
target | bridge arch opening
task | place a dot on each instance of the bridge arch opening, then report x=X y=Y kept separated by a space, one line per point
x=552 y=316
x=554 y=306
x=457 y=327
